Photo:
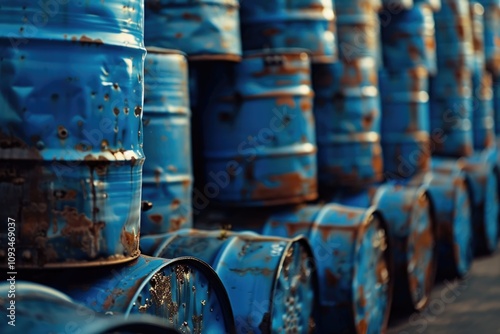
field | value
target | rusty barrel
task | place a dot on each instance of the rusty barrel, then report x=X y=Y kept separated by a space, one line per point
x=259 y=147
x=353 y=264
x=39 y=308
x=450 y=94
x=408 y=39
x=405 y=122
x=167 y=173
x=184 y=292
x=482 y=180
x=305 y=24
x=270 y=280
x=203 y=29
x=70 y=131
x=476 y=12
x=492 y=35
x=347 y=115
x=483 y=114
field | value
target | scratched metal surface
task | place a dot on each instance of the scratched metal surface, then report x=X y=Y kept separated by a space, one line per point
x=70 y=132
x=405 y=122
x=43 y=309
x=203 y=29
x=408 y=39
x=353 y=264
x=184 y=292
x=260 y=147
x=269 y=280
x=167 y=173
x=347 y=114
x=305 y=24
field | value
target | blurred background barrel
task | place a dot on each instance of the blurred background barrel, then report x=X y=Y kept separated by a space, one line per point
x=70 y=131
x=167 y=174
x=270 y=280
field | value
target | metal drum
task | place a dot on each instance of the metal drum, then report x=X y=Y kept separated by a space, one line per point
x=450 y=110
x=70 y=132
x=353 y=264
x=496 y=105
x=347 y=114
x=483 y=124
x=492 y=35
x=482 y=180
x=306 y=24
x=408 y=40
x=167 y=174
x=260 y=146
x=203 y=29
x=39 y=308
x=270 y=280
x=476 y=11
x=185 y=292
x=454 y=43
x=405 y=122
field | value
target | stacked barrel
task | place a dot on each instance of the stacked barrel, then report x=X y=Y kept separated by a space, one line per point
x=72 y=157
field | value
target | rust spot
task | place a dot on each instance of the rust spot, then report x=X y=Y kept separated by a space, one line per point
x=285 y=100
x=87 y=40
x=176 y=203
x=62 y=133
x=178 y=35
x=138 y=111
x=156 y=218
x=130 y=242
x=331 y=278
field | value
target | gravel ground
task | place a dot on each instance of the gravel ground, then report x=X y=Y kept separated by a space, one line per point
x=468 y=306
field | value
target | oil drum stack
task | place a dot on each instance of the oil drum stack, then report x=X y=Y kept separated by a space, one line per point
x=71 y=157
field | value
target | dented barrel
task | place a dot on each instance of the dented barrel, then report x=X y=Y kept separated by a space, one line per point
x=167 y=173
x=305 y=24
x=270 y=280
x=347 y=115
x=408 y=39
x=39 y=309
x=71 y=156
x=259 y=147
x=203 y=29
x=353 y=264
x=184 y=292
x=405 y=122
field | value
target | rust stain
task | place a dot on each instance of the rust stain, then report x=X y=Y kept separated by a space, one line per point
x=130 y=242
x=156 y=218
x=285 y=100
x=331 y=278
x=87 y=40
x=288 y=185
x=192 y=17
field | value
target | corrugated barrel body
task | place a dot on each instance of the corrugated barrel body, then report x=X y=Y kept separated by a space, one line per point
x=39 y=308
x=347 y=114
x=184 y=292
x=408 y=39
x=70 y=131
x=270 y=280
x=167 y=173
x=306 y=24
x=203 y=29
x=353 y=264
x=260 y=145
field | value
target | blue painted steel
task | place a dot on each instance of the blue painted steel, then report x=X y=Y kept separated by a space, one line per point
x=408 y=39
x=306 y=24
x=260 y=145
x=353 y=264
x=492 y=35
x=347 y=114
x=405 y=122
x=450 y=110
x=203 y=29
x=71 y=101
x=185 y=292
x=454 y=43
x=483 y=124
x=167 y=174
x=40 y=309
x=270 y=280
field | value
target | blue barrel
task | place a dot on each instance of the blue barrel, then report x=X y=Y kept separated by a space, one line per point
x=38 y=308
x=482 y=180
x=353 y=264
x=408 y=39
x=184 y=292
x=203 y=29
x=496 y=104
x=167 y=174
x=454 y=44
x=405 y=122
x=260 y=146
x=451 y=111
x=492 y=35
x=358 y=37
x=449 y=194
x=476 y=11
x=70 y=133
x=270 y=280
x=347 y=114
x=483 y=114
x=305 y=24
